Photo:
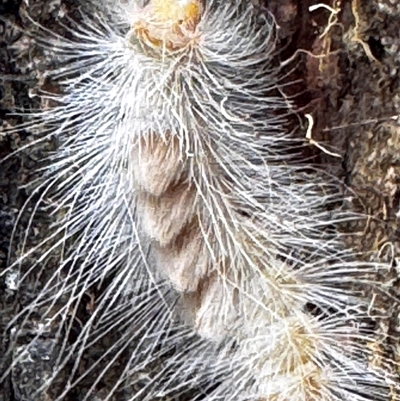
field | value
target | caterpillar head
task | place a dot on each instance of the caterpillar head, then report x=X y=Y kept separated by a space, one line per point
x=168 y=24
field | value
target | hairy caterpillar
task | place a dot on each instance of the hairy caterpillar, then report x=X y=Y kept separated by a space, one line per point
x=175 y=174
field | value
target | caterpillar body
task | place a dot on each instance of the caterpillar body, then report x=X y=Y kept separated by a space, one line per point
x=180 y=195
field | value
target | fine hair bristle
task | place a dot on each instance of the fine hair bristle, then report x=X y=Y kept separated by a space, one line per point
x=206 y=254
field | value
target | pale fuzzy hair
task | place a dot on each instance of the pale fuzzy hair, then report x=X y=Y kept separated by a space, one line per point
x=176 y=185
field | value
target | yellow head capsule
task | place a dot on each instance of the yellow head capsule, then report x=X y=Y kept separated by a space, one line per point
x=176 y=11
x=169 y=23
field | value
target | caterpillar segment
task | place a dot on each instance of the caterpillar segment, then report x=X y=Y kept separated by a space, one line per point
x=188 y=177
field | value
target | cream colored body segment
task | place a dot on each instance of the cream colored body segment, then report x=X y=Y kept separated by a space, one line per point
x=236 y=290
